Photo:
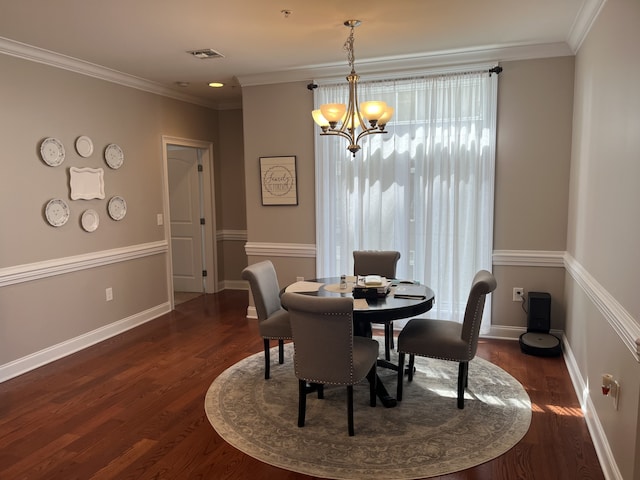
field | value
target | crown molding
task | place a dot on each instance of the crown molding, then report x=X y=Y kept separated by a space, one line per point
x=584 y=21
x=57 y=60
x=411 y=63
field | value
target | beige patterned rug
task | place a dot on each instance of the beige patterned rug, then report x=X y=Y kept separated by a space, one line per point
x=425 y=435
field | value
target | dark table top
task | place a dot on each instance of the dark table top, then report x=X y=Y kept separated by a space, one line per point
x=381 y=309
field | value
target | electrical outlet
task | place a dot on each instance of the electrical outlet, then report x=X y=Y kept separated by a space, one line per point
x=109 y=294
x=518 y=294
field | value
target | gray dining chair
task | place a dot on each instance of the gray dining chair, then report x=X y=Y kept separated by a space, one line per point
x=273 y=320
x=447 y=340
x=378 y=262
x=325 y=350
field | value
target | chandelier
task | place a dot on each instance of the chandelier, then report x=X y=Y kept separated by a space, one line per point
x=353 y=121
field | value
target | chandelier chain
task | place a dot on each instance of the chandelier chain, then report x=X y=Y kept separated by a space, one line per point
x=348 y=46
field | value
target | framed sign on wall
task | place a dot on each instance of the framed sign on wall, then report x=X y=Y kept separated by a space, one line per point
x=278 y=180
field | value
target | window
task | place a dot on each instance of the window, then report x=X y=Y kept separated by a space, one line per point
x=424 y=189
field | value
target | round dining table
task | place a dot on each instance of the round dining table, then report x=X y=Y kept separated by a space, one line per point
x=379 y=309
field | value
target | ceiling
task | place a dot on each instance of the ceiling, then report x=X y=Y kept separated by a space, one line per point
x=144 y=43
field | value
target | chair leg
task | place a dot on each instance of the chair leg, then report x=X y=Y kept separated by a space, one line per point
x=372 y=377
x=267 y=359
x=280 y=351
x=350 y=410
x=412 y=360
x=302 y=402
x=463 y=371
x=400 y=376
x=320 y=391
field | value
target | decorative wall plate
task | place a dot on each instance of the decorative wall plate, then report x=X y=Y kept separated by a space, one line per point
x=114 y=156
x=52 y=151
x=117 y=208
x=90 y=220
x=86 y=183
x=57 y=212
x=84 y=146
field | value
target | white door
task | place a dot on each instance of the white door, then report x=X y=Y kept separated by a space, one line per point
x=185 y=212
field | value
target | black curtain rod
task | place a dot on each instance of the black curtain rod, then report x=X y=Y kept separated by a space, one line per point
x=497 y=69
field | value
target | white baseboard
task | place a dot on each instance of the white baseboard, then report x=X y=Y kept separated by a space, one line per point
x=233 y=285
x=598 y=436
x=63 y=349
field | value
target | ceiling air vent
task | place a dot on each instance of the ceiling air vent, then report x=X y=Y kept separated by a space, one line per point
x=206 y=53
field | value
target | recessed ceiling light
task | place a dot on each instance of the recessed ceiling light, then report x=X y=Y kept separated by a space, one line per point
x=216 y=84
x=183 y=84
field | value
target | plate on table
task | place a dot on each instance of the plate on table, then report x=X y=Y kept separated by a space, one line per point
x=114 y=156
x=84 y=146
x=90 y=220
x=57 y=212
x=52 y=151
x=117 y=208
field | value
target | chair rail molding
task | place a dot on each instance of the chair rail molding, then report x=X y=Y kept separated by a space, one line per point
x=259 y=249
x=622 y=322
x=60 y=266
x=231 y=235
x=529 y=258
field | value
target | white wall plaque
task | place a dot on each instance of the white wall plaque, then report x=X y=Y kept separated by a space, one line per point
x=86 y=183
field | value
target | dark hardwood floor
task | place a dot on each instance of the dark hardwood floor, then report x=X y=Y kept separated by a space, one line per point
x=132 y=407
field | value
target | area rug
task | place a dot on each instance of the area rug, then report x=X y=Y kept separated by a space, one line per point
x=425 y=435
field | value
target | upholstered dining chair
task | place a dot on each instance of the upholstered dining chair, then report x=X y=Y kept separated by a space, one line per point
x=273 y=320
x=447 y=340
x=378 y=262
x=325 y=350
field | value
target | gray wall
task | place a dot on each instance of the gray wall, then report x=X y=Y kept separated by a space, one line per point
x=230 y=199
x=603 y=305
x=53 y=280
x=533 y=152
x=288 y=131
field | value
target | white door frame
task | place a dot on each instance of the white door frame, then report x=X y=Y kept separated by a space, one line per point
x=210 y=245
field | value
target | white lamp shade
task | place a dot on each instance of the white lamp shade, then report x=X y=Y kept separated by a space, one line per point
x=333 y=112
x=319 y=119
x=386 y=116
x=372 y=110
x=346 y=121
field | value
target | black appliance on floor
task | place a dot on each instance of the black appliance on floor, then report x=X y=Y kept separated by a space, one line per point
x=538 y=341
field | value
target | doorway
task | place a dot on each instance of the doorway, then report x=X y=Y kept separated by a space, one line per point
x=189 y=218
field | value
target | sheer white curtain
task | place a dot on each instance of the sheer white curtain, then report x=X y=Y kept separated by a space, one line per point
x=425 y=189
